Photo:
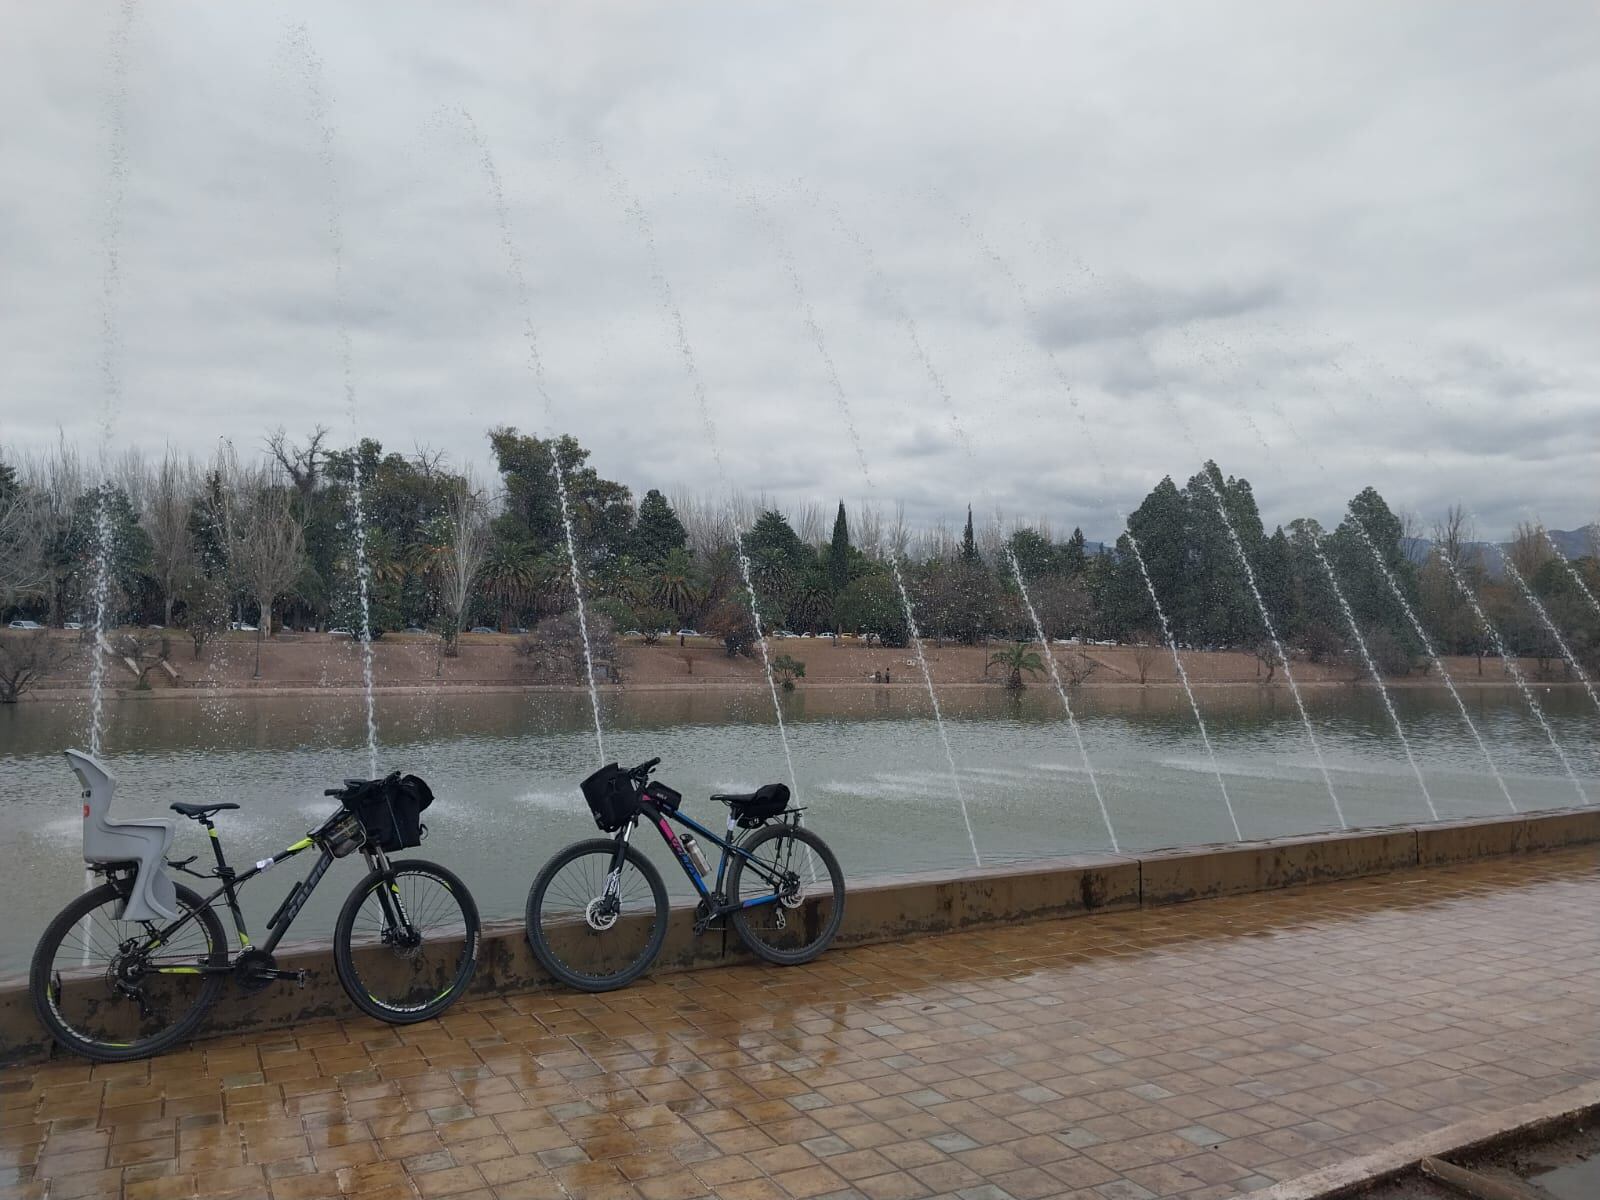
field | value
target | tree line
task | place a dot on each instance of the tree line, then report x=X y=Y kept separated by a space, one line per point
x=271 y=542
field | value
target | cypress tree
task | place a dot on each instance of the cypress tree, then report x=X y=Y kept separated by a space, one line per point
x=839 y=553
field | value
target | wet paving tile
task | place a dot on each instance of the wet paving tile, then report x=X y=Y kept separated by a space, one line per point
x=1199 y=1051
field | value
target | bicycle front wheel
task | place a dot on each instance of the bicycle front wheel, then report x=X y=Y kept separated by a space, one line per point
x=790 y=893
x=115 y=990
x=586 y=936
x=406 y=944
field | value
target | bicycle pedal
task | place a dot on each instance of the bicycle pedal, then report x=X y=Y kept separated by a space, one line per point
x=300 y=980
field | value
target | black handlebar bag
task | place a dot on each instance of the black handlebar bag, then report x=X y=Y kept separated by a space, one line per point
x=391 y=812
x=613 y=796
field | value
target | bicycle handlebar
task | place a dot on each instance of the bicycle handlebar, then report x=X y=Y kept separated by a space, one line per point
x=355 y=783
x=642 y=771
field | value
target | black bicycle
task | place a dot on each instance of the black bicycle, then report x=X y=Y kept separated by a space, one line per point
x=597 y=913
x=129 y=968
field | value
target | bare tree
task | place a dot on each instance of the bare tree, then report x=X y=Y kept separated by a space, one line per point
x=205 y=609
x=1452 y=535
x=165 y=517
x=1076 y=666
x=22 y=570
x=142 y=653
x=266 y=546
x=54 y=481
x=1146 y=649
x=1411 y=539
x=25 y=659
x=555 y=648
x=458 y=558
x=810 y=523
x=302 y=464
x=1528 y=550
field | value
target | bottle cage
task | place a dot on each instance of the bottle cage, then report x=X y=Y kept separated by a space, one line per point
x=143 y=844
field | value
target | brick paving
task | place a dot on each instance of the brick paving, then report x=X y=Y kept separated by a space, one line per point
x=1202 y=1051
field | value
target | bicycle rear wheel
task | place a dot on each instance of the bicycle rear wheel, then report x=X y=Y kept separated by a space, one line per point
x=404 y=972
x=798 y=890
x=580 y=937
x=114 y=990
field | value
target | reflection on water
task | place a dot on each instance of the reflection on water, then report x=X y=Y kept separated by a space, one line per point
x=871 y=771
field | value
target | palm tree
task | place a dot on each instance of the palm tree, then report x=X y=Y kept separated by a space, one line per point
x=673 y=586
x=811 y=609
x=552 y=581
x=1016 y=660
x=508 y=576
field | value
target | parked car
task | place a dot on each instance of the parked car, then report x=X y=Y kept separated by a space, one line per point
x=26 y=625
x=827 y=634
x=241 y=627
x=519 y=629
x=687 y=633
x=73 y=625
x=805 y=635
x=482 y=629
x=633 y=633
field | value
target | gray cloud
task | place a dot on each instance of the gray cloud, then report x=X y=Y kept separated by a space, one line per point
x=1363 y=233
x=1134 y=309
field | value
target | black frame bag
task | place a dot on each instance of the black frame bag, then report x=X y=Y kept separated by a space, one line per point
x=390 y=810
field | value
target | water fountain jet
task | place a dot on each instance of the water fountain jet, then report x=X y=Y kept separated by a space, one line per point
x=936 y=378
x=634 y=210
x=1513 y=670
x=299 y=42
x=836 y=386
x=1546 y=620
x=530 y=333
x=1355 y=629
x=1572 y=571
x=1238 y=546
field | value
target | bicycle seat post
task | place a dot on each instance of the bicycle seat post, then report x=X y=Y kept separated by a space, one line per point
x=224 y=871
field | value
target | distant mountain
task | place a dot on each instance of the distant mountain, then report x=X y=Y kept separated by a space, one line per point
x=1574 y=543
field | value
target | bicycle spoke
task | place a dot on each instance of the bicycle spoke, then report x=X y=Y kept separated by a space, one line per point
x=407 y=965
x=589 y=938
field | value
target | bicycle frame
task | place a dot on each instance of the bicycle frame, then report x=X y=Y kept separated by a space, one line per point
x=662 y=819
x=280 y=920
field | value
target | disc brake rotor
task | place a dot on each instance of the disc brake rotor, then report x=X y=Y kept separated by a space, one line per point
x=601 y=913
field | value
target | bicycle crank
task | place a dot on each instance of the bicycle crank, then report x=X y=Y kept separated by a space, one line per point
x=255 y=969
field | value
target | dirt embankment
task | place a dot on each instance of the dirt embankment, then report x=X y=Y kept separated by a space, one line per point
x=322 y=661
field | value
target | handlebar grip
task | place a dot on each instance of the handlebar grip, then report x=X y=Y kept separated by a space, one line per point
x=333 y=791
x=646 y=766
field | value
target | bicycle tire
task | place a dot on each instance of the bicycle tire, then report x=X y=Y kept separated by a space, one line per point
x=420 y=910
x=540 y=939
x=817 y=914
x=44 y=978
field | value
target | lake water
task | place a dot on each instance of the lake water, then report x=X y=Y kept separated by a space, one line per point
x=505 y=768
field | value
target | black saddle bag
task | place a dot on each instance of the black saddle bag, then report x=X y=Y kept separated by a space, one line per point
x=766 y=802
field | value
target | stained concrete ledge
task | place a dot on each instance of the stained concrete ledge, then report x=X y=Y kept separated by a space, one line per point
x=891 y=908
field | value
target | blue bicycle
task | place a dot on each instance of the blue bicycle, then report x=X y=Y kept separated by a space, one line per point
x=597 y=913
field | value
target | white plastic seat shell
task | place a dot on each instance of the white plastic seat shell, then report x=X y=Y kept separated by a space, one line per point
x=154 y=896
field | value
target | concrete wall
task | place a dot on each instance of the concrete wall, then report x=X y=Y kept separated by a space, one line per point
x=895 y=907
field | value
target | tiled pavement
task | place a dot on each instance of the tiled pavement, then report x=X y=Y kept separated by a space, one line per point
x=1201 y=1051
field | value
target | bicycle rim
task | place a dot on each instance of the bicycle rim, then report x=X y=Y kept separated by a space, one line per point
x=108 y=992
x=799 y=925
x=408 y=973
x=575 y=938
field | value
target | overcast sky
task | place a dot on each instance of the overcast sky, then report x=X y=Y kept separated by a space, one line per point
x=1363 y=234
